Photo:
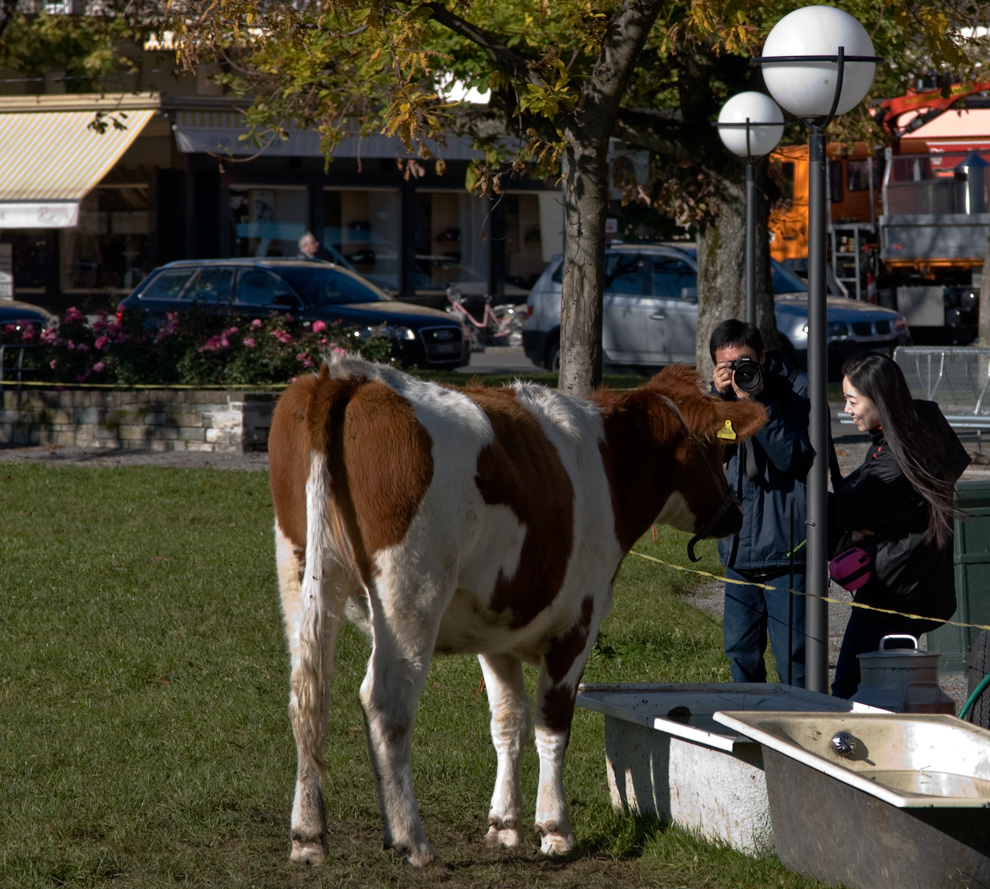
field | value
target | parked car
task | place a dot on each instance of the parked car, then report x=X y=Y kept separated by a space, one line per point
x=306 y=291
x=651 y=312
x=20 y=315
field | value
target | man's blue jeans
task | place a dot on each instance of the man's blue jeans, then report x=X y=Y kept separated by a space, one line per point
x=753 y=614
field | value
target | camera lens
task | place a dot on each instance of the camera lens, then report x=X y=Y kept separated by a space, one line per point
x=747 y=376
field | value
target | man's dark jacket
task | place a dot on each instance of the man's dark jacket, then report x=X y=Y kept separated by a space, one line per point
x=768 y=473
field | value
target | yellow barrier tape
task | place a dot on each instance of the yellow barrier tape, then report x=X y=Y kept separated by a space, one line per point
x=764 y=586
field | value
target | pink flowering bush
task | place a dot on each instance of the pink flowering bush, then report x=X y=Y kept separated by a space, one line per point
x=191 y=349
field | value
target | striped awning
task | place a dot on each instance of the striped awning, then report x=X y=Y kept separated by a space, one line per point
x=50 y=160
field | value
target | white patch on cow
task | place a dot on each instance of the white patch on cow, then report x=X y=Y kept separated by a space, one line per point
x=677 y=513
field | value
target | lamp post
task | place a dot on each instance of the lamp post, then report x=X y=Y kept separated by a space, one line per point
x=750 y=126
x=817 y=62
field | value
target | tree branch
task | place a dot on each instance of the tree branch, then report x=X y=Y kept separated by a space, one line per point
x=516 y=65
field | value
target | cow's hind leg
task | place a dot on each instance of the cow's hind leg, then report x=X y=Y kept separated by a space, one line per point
x=402 y=648
x=509 y=707
x=311 y=640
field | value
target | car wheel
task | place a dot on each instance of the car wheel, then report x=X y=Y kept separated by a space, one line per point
x=553 y=356
x=979 y=667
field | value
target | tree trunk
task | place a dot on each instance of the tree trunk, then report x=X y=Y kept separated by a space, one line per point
x=585 y=207
x=722 y=264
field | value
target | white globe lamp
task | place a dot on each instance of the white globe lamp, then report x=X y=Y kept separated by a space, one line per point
x=801 y=65
x=750 y=124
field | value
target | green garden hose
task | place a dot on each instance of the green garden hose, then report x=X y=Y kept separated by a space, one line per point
x=972 y=698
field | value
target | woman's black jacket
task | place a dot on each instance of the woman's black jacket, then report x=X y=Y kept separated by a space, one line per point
x=910 y=574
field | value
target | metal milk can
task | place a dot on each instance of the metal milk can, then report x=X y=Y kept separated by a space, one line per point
x=903 y=680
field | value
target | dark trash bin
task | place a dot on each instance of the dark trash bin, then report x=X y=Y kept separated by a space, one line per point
x=972 y=563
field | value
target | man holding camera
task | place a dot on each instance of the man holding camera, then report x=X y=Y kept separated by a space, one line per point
x=765 y=561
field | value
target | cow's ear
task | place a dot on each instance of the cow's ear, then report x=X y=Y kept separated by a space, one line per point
x=739 y=420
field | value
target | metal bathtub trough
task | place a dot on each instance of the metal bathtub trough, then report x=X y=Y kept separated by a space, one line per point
x=667 y=757
x=876 y=800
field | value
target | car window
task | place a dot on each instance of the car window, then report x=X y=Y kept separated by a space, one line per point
x=624 y=273
x=258 y=287
x=671 y=275
x=168 y=284
x=211 y=285
x=323 y=285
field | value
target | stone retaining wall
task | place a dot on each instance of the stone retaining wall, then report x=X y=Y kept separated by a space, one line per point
x=148 y=419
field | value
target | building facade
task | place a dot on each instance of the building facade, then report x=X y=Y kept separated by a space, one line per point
x=98 y=189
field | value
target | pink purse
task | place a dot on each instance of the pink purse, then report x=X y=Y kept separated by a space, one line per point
x=850 y=569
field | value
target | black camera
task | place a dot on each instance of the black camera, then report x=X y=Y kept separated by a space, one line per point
x=746 y=374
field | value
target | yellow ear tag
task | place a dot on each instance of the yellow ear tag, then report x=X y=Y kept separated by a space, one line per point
x=727 y=431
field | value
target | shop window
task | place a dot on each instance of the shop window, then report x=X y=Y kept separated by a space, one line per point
x=452 y=247
x=268 y=221
x=533 y=223
x=32 y=253
x=361 y=232
x=109 y=250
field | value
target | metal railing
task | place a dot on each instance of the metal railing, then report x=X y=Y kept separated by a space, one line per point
x=957 y=378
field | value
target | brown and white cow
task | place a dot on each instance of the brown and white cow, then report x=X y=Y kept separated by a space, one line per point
x=475 y=520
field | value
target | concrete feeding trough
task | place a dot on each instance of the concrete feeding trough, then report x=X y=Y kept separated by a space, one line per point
x=666 y=756
x=874 y=800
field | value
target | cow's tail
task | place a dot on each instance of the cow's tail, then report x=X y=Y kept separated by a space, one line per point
x=324 y=528
x=311 y=690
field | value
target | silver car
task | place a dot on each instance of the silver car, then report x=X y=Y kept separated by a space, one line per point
x=651 y=312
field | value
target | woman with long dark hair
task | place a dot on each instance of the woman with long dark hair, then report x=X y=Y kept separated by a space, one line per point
x=898 y=506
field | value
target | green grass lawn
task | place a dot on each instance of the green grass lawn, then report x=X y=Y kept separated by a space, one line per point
x=144 y=735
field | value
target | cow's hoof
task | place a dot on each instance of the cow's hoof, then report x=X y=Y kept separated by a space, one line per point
x=502 y=834
x=553 y=842
x=308 y=852
x=419 y=856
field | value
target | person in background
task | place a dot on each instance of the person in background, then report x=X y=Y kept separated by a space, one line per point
x=309 y=248
x=765 y=560
x=898 y=506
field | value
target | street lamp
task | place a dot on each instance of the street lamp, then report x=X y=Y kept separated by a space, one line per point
x=817 y=62
x=750 y=126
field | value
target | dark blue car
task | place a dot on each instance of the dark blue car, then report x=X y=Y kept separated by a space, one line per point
x=304 y=290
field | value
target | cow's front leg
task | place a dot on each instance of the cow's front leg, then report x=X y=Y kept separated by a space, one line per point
x=553 y=731
x=400 y=660
x=509 y=707
x=556 y=695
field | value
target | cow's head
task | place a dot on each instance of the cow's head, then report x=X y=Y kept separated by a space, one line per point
x=667 y=441
x=703 y=502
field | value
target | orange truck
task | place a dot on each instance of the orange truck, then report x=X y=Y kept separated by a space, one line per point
x=908 y=222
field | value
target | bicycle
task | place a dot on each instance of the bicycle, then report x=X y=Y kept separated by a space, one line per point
x=499 y=325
